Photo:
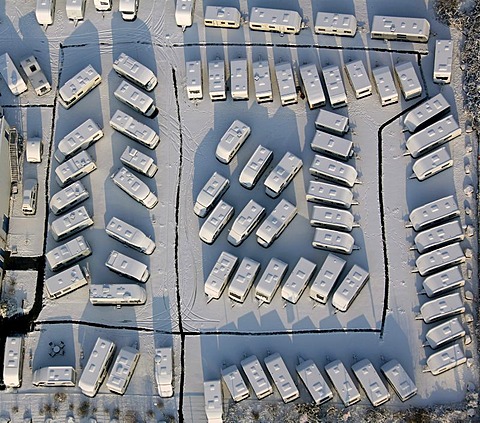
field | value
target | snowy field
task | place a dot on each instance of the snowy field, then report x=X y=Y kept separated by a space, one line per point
x=206 y=337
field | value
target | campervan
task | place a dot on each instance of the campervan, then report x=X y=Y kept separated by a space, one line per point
x=30 y=194
x=79 y=86
x=222 y=17
x=274 y=20
x=129 y=235
x=127 y=266
x=385 y=85
x=281 y=377
x=343 y=383
x=286 y=84
x=442 y=66
x=239 y=79
x=231 y=141
x=330 y=194
x=359 y=79
x=68 y=197
x=74 y=168
x=122 y=370
x=255 y=166
x=215 y=222
x=437 y=211
x=243 y=279
x=400 y=28
x=332 y=240
x=312 y=85
x=70 y=223
x=256 y=376
x=333 y=170
x=13 y=361
x=332 y=145
x=210 y=194
x=399 y=380
x=349 y=288
x=138 y=161
x=137 y=131
x=55 y=376
x=275 y=223
x=432 y=163
x=298 y=280
x=408 y=80
x=282 y=174
x=134 y=187
x=235 y=384
x=220 y=275
x=34 y=149
x=262 y=81
x=193 y=70
x=216 y=80
x=371 y=383
x=270 y=280
x=68 y=253
x=326 y=278
x=35 y=75
x=11 y=75
x=135 y=72
x=117 y=294
x=136 y=99
x=65 y=282
x=335 y=24
x=426 y=112
x=245 y=222
x=164 y=371
x=335 y=88
x=314 y=381
x=444 y=281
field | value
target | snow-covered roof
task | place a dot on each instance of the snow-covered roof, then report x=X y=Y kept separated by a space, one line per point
x=127 y=266
x=122 y=369
x=331 y=217
x=256 y=376
x=329 y=239
x=245 y=221
x=331 y=121
x=413 y=29
x=243 y=279
x=359 y=78
x=371 y=383
x=433 y=212
x=335 y=24
x=312 y=84
x=280 y=216
x=349 y=288
x=385 y=85
x=216 y=221
x=283 y=172
x=399 y=379
x=440 y=258
x=298 y=279
x=281 y=377
x=234 y=382
x=439 y=235
x=446 y=359
x=443 y=281
x=445 y=332
x=326 y=277
x=323 y=192
x=425 y=111
x=332 y=145
x=220 y=274
x=334 y=84
x=333 y=170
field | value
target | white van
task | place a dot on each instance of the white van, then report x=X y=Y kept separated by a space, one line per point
x=387 y=91
x=270 y=280
x=67 y=253
x=286 y=84
x=275 y=20
x=128 y=9
x=329 y=194
x=134 y=187
x=103 y=5
x=443 y=281
x=135 y=72
x=257 y=377
x=129 y=235
x=34 y=150
x=399 y=380
x=35 y=75
x=164 y=371
x=79 y=139
x=426 y=112
x=332 y=145
x=127 y=266
x=68 y=197
x=132 y=128
x=239 y=79
x=332 y=122
x=210 y=194
x=30 y=193
x=13 y=362
x=220 y=275
x=75 y=10
x=255 y=166
x=136 y=99
x=431 y=164
x=122 y=370
x=298 y=280
x=65 y=282
x=331 y=240
x=332 y=218
x=314 y=381
x=335 y=24
x=445 y=359
x=11 y=75
x=281 y=377
x=243 y=279
x=213 y=398
x=444 y=333
x=275 y=223
x=235 y=384
x=215 y=222
x=439 y=236
x=359 y=79
x=343 y=383
x=439 y=259
x=245 y=223
x=54 y=376
x=326 y=278
x=74 y=168
x=222 y=17
x=371 y=383
x=282 y=174
x=70 y=223
x=138 y=161
x=45 y=12
x=262 y=81
x=434 y=212
x=231 y=141
x=117 y=294
x=216 y=80
x=193 y=71
x=184 y=13
x=442 y=307
x=408 y=80
x=312 y=85
x=335 y=88
x=79 y=86
x=349 y=288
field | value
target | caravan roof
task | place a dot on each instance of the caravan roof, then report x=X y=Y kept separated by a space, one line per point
x=270 y=280
x=210 y=194
x=235 y=384
x=231 y=141
x=445 y=332
x=54 y=376
x=243 y=279
x=438 y=236
x=245 y=222
x=443 y=281
x=279 y=20
x=275 y=223
x=164 y=371
x=193 y=69
x=326 y=278
x=256 y=376
x=79 y=139
x=216 y=78
x=399 y=379
x=442 y=67
x=333 y=218
x=35 y=75
x=440 y=258
x=64 y=282
x=335 y=87
x=220 y=275
x=371 y=383
x=13 y=361
x=408 y=80
x=334 y=195
x=332 y=145
x=335 y=24
x=425 y=112
x=314 y=381
x=66 y=198
x=343 y=383
x=400 y=28
x=349 y=288
x=282 y=174
x=281 y=377
x=432 y=163
x=313 y=85
x=239 y=78
x=298 y=280
x=215 y=222
x=122 y=369
x=213 y=401
x=11 y=75
x=333 y=170
x=442 y=307
x=446 y=359
x=226 y=17
x=385 y=85
x=286 y=83
x=331 y=122
x=359 y=79
x=118 y=294
x=433 y=212
x=262 y=81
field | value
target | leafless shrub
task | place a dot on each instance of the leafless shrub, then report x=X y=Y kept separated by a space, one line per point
x=83 y=408
x=60 y=397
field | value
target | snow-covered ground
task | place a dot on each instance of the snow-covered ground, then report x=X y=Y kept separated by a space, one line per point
x=380 y=325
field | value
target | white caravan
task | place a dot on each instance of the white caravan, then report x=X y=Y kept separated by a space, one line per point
x=129 y=235
x=235 y=384
x=434 y=212
x=275 y=20
x=128 y=9
x=262 y=81
x=34 y=149
x=45 y=12
x=281 y=377
x=333 y=170
x=216 y=80
x=135 y=72
x=440 y=259
x=222 y=17
x=286 y=84
x=385 y=85
x=270 y=280
x=79 y=86
x=213 y=401
x=210 y=194
x=138 y=161
x=117 y=294
x=332 y=145
x=132 y=128
x=399 y=380
x=332 y=218
x=400 y=28
x=67 y=253
x=245 y=223
x=426 y=112
x=331 y=240
x=255 y=166
x=331 y=122
x=445 y=359
x=335 y=24
x=444 y=281
x=444 y=333
x=70 y=223
x=30 y=194
x=127 y=266
x=35 y=75
x=193 y=71
x=239 y=79
x=282 y=174
x=442 y=307
x=122 y=370
x=103 y=5
x=68 y=197
x=298 y=280
x=215 y=222
x=65 y=282
x=439 y=236
x=349 y=288
x=136 y=99
x=231 y=141
x=75 y=10
x=314 y=381
x=335 y=88
x=55 y=376
x=243 y=279
x=431 y=164
x=329 y=194
x=257 y=377
x=312 y=85
x=164 y=371
x=343 y=383
x=134 y=187
x=11 y=75
x=13 y=361
x=408 y=80
x=275 y=223
x=220 y=275
x=359 y=79
x=74 y=168
x=184 y=13
x=326 y=278
x=442 y=66
x=371 y=383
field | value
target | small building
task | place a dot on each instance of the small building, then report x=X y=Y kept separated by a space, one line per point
x=35 y=75
x=286 y=84
x=442 y=67
x=335 y=86
x=359 y=79
x=193 y=70
x=408 y=80
x=262 y=81
x=216 y=80
x=312 y=85
x=400 y=28
x=385 y=85
x=335 y=24
x=239 y=79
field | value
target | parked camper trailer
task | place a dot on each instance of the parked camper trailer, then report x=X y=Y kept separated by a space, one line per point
x=281 y=377
x=135 y=72
x=256 y=376
x=136 y=99
x=312 y=85
x=122 y=370
x=220 y=275
x=331 y=240
x=275 y=20
x=282 y=174
x=332 y=218
x=286 y=84
x=65 y=282
x=129 y=235
x=432 y=163
x=78 y=140
x=434 y=212
x=400 y=28
x=118 y=294
x=298 y=280
x=74 y=168
x=440 y=259
x=210 y=194
x=138 y=161
x=262 y=81
x=433 y=136
x=193 y=70
x=45 y=12
x=399 y=380
x=342 y=382
x=128 y=9
x=70 y=223
x=184 y=13
x=239 y=79
x=314 y=381
x=385 y=85
x=349 y=288
x=335 y=24
x=255 y=166
x=164 y=371
x=243 y=279
x=213 y=401
x=68 y=197
x=445 y=359
x=35 y=75
x=330 y=194
x=68 y=253
x=245 y=222
x=275 y=223
x=326 y=277
x=75 y=10
x=103 y=5
x=442 y=67
x=33 y=149
x=442 y=307
x=444 y=333
x=216 y=80
x=79 y=86
x=335 y=88
x=331 y=122
x=444 y=281
x=13 y=361
x=215 y=222
x=30 y=195
x=137 y=131
x=332 y=145
x=231 y=141
x=270 y=280
x=439 y=236
x=426 y=112
x=359 y=79
x=54 y=376
x=235 y=384
x=371 y=383
x=11 y=75
x=97 y=366
x=333 y=170
x=134 y=187
x=127 y=266
x=408 y=80
x=222 y=17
